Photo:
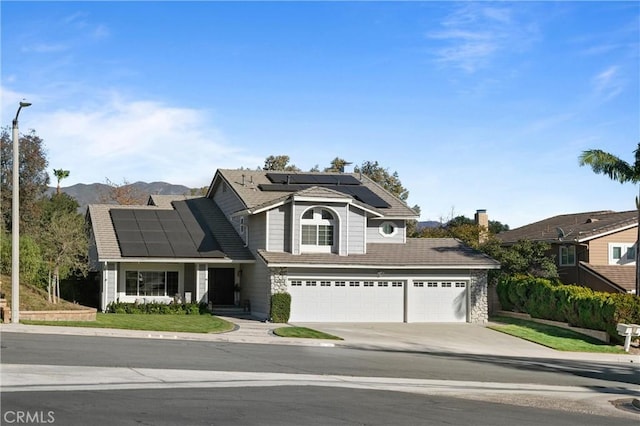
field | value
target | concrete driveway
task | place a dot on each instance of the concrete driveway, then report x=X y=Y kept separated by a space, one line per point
x=448 y=337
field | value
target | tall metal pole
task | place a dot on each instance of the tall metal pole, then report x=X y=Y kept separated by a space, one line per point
x=15 y=220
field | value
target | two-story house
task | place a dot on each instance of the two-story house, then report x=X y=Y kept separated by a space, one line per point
x=335 y=241
x=594 y=249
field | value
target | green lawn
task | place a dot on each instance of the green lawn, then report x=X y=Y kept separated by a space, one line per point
x=178 y=323
x=303 y=332
x=557 y=338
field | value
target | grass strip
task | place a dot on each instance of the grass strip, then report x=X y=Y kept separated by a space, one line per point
x=303 y=333
x=149 y=322
x=557 y=338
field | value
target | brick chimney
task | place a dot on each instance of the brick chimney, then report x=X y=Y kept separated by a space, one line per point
x=482 y=220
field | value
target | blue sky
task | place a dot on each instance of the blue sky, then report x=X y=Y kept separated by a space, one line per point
x=476 y=105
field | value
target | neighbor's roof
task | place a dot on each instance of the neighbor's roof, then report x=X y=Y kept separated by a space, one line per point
x=417 y=253
x=201 y=211
x=246 y=183
x=577 y=227
x=622 y=276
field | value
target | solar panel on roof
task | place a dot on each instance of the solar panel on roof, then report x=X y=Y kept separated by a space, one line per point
x=145 y=215
x=159 y=249
x=163 y=233
x=154 y=236
x=133 y=249
x=122 y=214
x=314 y=179
x=367 y=196
x=359 y=192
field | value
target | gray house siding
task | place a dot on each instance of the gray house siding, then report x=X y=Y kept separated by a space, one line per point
x=279 y=223
x=356 y=243
x=110 y=277
x=257 y=232
x=375 y=236
x=255 y=288
x=341 y=233
x=226 y=199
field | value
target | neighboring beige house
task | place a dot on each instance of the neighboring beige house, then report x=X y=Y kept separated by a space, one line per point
x=594 y=249
x=335 y=241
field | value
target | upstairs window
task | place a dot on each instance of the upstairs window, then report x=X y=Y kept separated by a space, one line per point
x=567 y=255
x=622 y=253
x=317 y=230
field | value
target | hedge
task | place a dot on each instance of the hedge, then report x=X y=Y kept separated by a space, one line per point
x=280 y=307
x=579 y=306
x=157 y=308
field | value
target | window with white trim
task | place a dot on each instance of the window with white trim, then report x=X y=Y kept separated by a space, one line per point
x=567 y=255
x=151 y=283
x=340 y=283
x=622 y=253
x=388 y=229
x=368 y=283
x=296 y=283
x=325 y=283
x=445 y=285
x=317 y=230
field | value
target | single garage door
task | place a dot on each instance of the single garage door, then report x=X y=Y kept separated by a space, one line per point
x=316 y=300
x=437 y=301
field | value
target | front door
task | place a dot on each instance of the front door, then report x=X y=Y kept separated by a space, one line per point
x=221 y=282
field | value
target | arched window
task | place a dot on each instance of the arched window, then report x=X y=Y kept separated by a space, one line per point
x=318 y=227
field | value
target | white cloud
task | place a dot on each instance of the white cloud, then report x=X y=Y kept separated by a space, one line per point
x=607 y=84
x=137 y=140
x=475 y=33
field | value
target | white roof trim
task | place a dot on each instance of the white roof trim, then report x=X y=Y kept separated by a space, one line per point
x=378 y=266
x=173 y=260
x=312 y=199
x=604 y=234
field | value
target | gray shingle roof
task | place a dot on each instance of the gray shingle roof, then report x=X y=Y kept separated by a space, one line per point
x=418 y=253
x=204 y=210
x=621 y=276
x=164 y=201
x=246 y=183
x=577 y=227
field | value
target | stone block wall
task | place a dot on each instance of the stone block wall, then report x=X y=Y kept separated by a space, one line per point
x=479 y=309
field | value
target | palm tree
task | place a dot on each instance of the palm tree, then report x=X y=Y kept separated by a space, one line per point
x=60 y=174
x=617 y=169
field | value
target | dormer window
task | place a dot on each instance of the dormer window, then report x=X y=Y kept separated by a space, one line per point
x=317 y=230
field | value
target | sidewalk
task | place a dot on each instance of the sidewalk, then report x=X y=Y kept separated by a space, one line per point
x=429 y=338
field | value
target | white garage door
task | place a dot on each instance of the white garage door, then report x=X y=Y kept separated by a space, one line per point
x=437 y=301
x=346 y=301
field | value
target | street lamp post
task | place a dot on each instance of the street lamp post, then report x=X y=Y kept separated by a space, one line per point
x=15 y=221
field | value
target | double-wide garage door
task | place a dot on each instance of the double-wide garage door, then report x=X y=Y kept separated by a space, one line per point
x=316 y=300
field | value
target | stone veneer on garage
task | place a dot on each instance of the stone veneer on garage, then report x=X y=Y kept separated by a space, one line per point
x=478 y=311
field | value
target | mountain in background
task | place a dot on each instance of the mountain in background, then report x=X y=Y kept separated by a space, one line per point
x=97 y=193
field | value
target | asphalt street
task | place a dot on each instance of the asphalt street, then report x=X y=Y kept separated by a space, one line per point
x=160 y=381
